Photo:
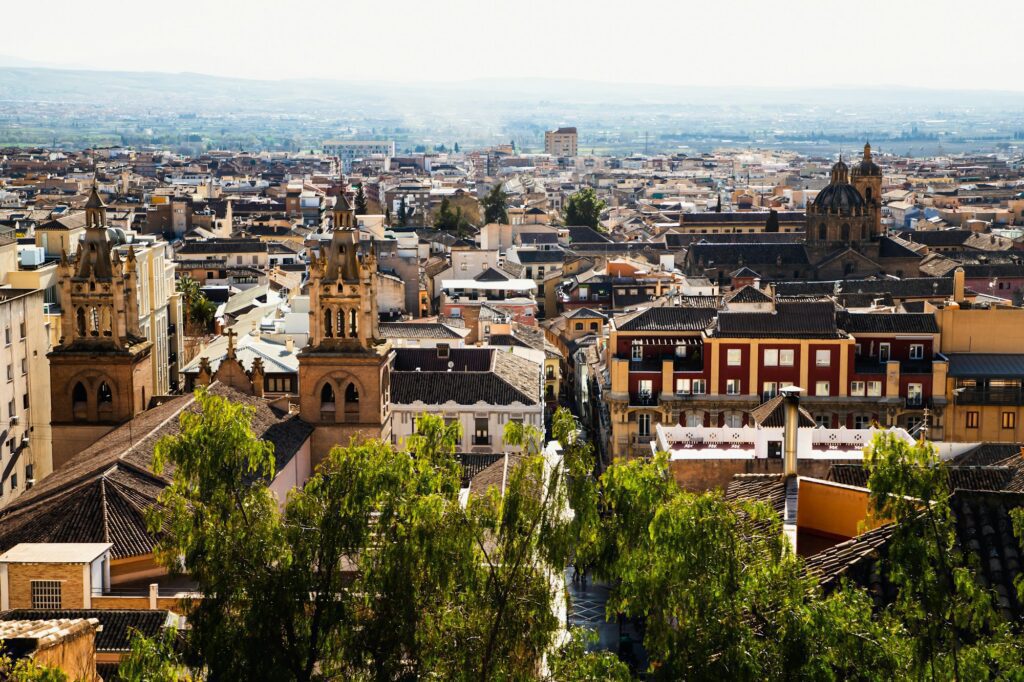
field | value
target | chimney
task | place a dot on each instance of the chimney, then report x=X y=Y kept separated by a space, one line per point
x=791 y=405
x=289 y=344
x=958 y=285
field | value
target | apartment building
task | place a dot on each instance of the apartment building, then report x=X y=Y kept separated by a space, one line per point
x=560 y=142
x=349 y=151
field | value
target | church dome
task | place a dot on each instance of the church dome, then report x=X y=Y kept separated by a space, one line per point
x=840 y=196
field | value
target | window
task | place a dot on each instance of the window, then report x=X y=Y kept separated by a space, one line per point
x=884 y=351
x=771 y=357
x=24 y=366
x=14 y=481
x=874 y=388
x=238 y=260
x=821 y=388
x=861 y=421
x=769 y=390
x=683 y=386
x=21 y=330
x=646 y=388
x=823 y=358
x=971 y=421
x=823 y=421
x=638 y=352
x=327 y=397
x=733 y=420
x=579 y=326
x=786 y=358
x=481 y=436
x=915 y=394
x=916 y=351
x=695 y=419
x=46 y=594
x=699 y=386
x=733 y=357
x=643 y=424
x=10 y=372
x=1009 y=420
x=10 y=408
x=857 y=388
x=7 y=335
x=733 y=387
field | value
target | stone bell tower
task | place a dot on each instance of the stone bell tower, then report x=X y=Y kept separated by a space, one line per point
x=100 y=374
x=866 y=177
x=344 y=371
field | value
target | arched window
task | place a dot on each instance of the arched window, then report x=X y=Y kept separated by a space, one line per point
x=351 y=403
x=867 y=194
x=845 y=232
x=104 y=395
x=328 y=323
x=327 y=397
x=353 y=330
x=80 y=321
x=105 y=321
x=94 y=321
x=78 y=397
x=822 y=232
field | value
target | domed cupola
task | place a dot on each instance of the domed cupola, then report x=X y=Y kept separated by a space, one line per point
x=839 y=197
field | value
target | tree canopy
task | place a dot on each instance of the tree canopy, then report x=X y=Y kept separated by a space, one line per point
x=495 y=205
x=584 y=208
x=382 y=568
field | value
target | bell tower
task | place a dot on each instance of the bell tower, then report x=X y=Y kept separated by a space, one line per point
x=866 y=177
x=344 y=371
x=100 y=373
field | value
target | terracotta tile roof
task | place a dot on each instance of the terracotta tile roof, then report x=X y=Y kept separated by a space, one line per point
x=768 y=488
x=789 y=320
x=478 y=375
x=662 y=319
x=102 y=493
x=983 y=528
x=960 y=477
x=773 y=414
x=894 y=323
x=117 y=624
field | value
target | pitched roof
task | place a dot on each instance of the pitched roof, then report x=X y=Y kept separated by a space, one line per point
x=960 y=477
x=986 y=365
x=768 y=488
x=889 y=323
x=748 y=294
x=492 y=275
x=983 y=528
x=748 y=254
x=988 y=453
x=584 y=312
x=772 y=414
x=416 y=330
x=102 y=493
x=477 y=375
x=117 y=628
x=789 y=320
x=669 y=318
x=912 y=287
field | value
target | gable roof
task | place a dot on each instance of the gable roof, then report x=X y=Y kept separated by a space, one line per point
x=789 y=320
x=767 y=488
x=772 y=414
x=118 y=625
x=668 y=319
x=748 y=294
x=477 y=375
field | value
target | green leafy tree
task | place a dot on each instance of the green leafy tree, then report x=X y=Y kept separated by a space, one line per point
x=403 y=213
x=153 y=659
x=360 y=207
x=27 y=670
x=199 y=310
x=954 y=629
x=374 y=569
x=573 y=663
x=584 y=208
x=495 y=205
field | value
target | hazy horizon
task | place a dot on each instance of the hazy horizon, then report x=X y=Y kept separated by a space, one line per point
x=795 y=44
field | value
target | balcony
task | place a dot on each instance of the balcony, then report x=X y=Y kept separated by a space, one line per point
x=643 y=399
x=990 y=396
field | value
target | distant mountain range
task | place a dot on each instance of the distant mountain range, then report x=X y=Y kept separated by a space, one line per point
x=191 y=91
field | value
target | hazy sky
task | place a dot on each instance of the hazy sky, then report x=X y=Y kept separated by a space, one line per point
x=929 y=43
